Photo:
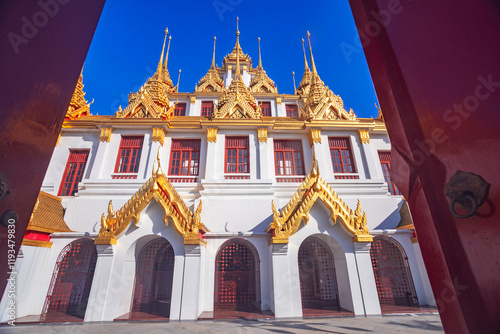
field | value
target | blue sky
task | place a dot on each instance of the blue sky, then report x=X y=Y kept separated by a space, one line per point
x=128 y=41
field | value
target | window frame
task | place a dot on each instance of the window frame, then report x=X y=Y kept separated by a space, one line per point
x=210 y=109
x=74 y=184
x=293 y=160
x=177 y=109
x=393 y=189
x=293 y=108
x=123 y=147
x=237 y=164
x=340 y=149
x=267 y=103
x=185 y=149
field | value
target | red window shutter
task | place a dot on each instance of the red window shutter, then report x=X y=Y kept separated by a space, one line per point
x=129 y=154
x=185 y=157
x=265 y=107
x=288 y=157
x=207 y=108
x=291 y=110
x=180 y=109
x=341 y=153
x=237 y=160
x=73 y=172
x=385 y=162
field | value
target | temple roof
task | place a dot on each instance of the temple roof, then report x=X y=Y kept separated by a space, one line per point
x=78 y=106
x=305 y=84
x=48 y=215
x=237 y=102
x=261 y=83
x=211 y=82
x=152 y=99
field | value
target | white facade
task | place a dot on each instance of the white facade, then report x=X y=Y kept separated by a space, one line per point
x=232 y=209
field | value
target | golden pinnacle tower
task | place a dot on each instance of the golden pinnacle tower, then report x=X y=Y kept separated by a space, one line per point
x=261 y=83
x=211 y=82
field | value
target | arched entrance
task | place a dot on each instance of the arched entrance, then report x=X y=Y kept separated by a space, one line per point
x=154 y=278
x=71 y=281
x=392 y=273
x=237 y=277
x=318 y=280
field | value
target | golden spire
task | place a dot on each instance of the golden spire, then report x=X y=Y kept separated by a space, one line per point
x=313 y=66
x=306 y=66
x=294 y=87
x=168 y=49
x=160 y=63
x=213 y=57
x=237 y=74
x=178 y=80
x=260 y=58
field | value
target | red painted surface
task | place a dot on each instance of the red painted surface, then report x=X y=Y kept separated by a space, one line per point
x=341 y=153
x=185 y=158
x=74 y=172
x=180 y=109
x=436 y=72
x=207 y=108
x=291 y=110
x=385 y=162
x=237 y=160
x=288 y=157
x=32 y=235
x=266 y=108
x=39 y=74
x=129 y=154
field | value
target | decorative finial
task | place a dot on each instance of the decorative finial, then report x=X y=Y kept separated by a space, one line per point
x=159 y=170
x=294 y=87
x=165 y=64
x=306 y=66
x=237 y=30
x=162 y=52
x=178 y=80
x=260 y=58
x=311 y=53
x=213 y=57
x=237 y=74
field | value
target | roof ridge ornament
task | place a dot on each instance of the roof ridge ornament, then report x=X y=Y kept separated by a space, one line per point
x=160 y=63
x=261 y=83
x=211 y=82
x=305 y=84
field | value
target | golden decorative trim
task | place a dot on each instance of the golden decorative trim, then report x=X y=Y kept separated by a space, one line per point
x=275 y=240
x=78 y=106
x=362 y=238
x=212 y=135
x=414 y=240
x=58 y=138
x=193 y=99
x=106 y=134
x=262 y=135
x=287 y=221
x=36 y=243
x=245 y=67
x=47 y=215
x=314 y=136
x=278 y=101
x=159 y=135
x=159 y=188
x=364 y=136
x=229 y=67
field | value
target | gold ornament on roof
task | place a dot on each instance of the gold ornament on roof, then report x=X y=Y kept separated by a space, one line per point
x=78 y=106
x=237 y=102
x=261 y=83
x=158 y=187
x=287 y=221
x=321 y=103
x=211 y=82
x=152 y=100
x=237 y=52
x=305 y=84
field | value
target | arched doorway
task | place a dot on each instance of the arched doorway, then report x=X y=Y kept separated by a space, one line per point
x=154 y=278
x=237 y=277
x=392 y=273
x=71 y=281
x=318 y=280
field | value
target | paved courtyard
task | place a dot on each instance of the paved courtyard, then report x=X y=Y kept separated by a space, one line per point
x=405 y=323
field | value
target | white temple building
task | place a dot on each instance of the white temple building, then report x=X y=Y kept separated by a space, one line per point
x=234 y=199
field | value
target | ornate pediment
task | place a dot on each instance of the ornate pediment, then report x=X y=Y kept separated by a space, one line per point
x=158 y=187
x=78 y=106
x=287 y=221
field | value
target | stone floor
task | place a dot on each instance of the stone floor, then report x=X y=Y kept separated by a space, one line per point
x=400 y=323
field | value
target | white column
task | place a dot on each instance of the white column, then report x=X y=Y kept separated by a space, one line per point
x=191 y=285
x=265 y=164
x=423 y=276
x=155 y=146
x=366 y=278
x=324 y=160
x=98 y=165
x=372 y=162
x=99 y=291
x=286 y=301
x=211 y=157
